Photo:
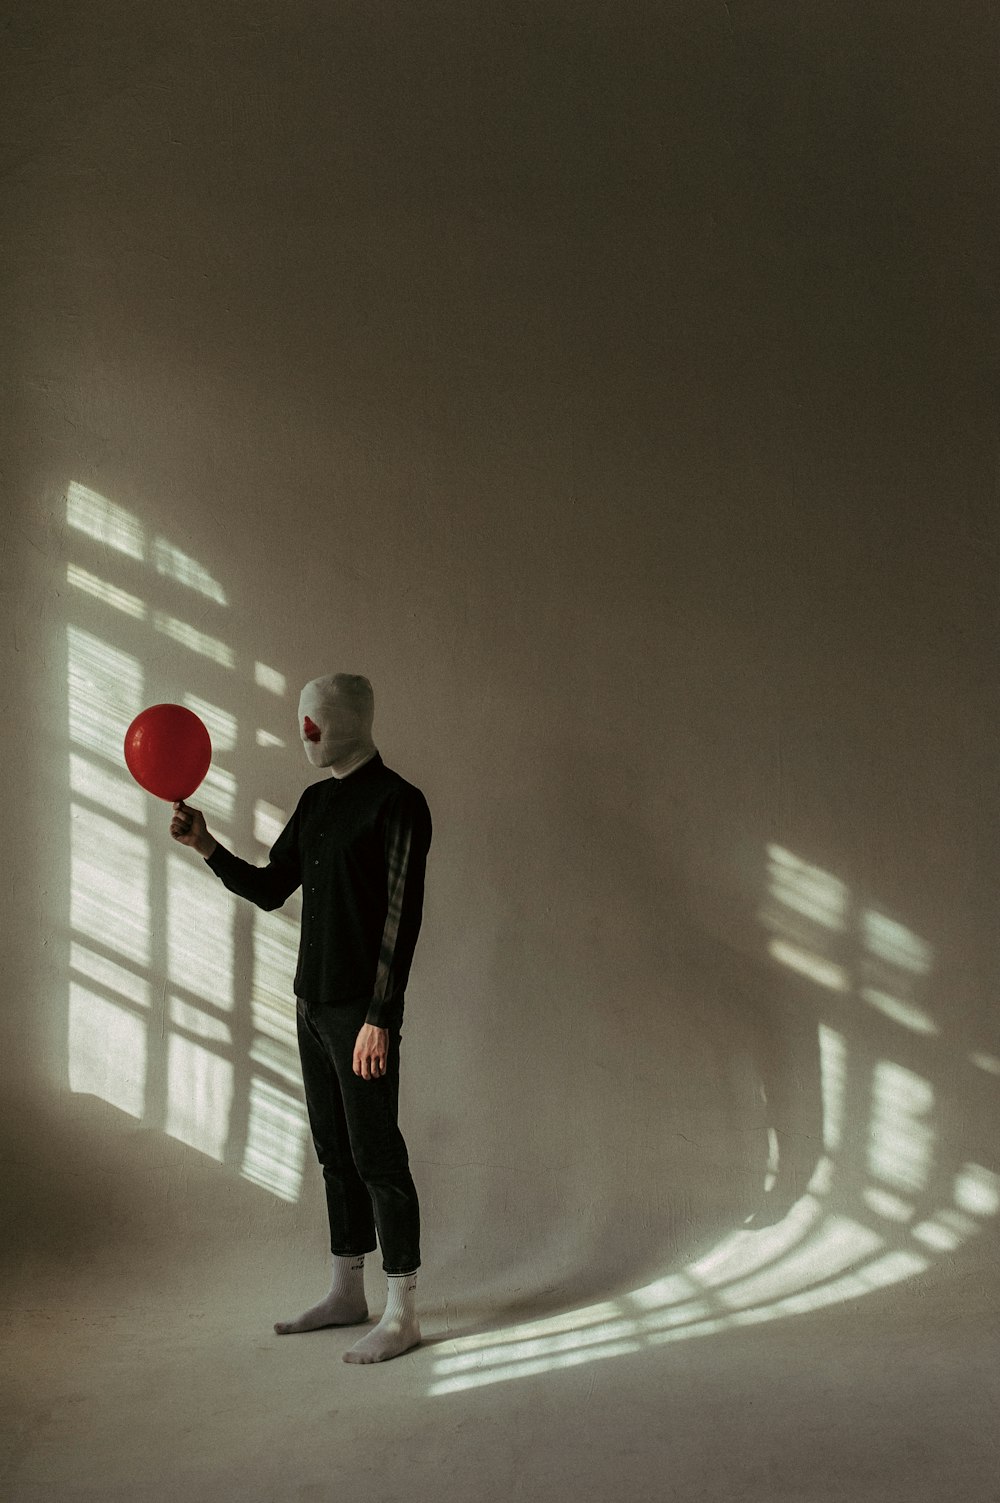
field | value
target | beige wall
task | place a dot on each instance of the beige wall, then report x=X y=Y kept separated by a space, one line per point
x=607 y=383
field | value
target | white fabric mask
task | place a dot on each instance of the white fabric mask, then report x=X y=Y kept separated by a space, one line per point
x=335 y=722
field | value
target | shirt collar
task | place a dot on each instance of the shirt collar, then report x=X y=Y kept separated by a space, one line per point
x=373 y=763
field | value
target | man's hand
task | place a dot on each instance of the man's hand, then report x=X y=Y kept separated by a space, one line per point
x=189 y=828
x=370 y=1052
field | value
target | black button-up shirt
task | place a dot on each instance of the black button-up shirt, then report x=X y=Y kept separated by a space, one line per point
x=358 y=847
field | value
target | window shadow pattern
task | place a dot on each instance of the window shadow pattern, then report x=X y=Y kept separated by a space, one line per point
x=888 y=1192
x=159 y=1025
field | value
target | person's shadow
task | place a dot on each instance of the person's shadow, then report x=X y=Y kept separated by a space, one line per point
x=748 y=1025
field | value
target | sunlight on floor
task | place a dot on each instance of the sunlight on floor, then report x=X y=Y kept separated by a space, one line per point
x=814 y=1258
x=863 y=1223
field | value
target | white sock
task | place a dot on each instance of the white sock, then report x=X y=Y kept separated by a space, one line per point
x=397 y=1331
x=345 y=1305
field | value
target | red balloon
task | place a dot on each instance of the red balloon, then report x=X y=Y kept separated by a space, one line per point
x=168 y=751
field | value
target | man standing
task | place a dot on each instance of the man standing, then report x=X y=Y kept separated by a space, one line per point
x=357 y=845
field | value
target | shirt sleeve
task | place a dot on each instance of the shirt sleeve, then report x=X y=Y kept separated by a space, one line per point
x=407 y=839
x=267 y=886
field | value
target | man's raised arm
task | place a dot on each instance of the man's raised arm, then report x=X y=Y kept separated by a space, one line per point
x=267 y=886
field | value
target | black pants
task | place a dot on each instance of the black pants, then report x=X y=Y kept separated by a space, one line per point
x=358 y=1142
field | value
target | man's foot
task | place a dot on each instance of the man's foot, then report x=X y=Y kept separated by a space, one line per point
x=332 y=1311
x=398 y=1330
x=345 y=1305
x=391 y=1338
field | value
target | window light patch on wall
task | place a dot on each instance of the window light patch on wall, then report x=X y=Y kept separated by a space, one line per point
x=108 y=594
x=276 y=1140
x=104 y=692
x=199 y=928
x=895 y=943
x=200 y=1085
x=977 y=1190
x=823 y=972
x=198 y=1021
x=174 y=564
x=220 y=724
x=269 y=678
x=901 y=1136
x=797 y=886
x=105 y=522
x=194 y=640
x=268 y=822
x=109 y=885
x=907 y=1014
x=107 y=1050
x=217 y=794
x=109 y=974
x=108 y=789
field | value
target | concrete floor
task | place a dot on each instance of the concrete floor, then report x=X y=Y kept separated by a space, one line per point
x=125 y=1389
x=124 y=1385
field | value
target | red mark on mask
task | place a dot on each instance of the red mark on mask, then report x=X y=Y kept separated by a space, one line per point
x=311 y=730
